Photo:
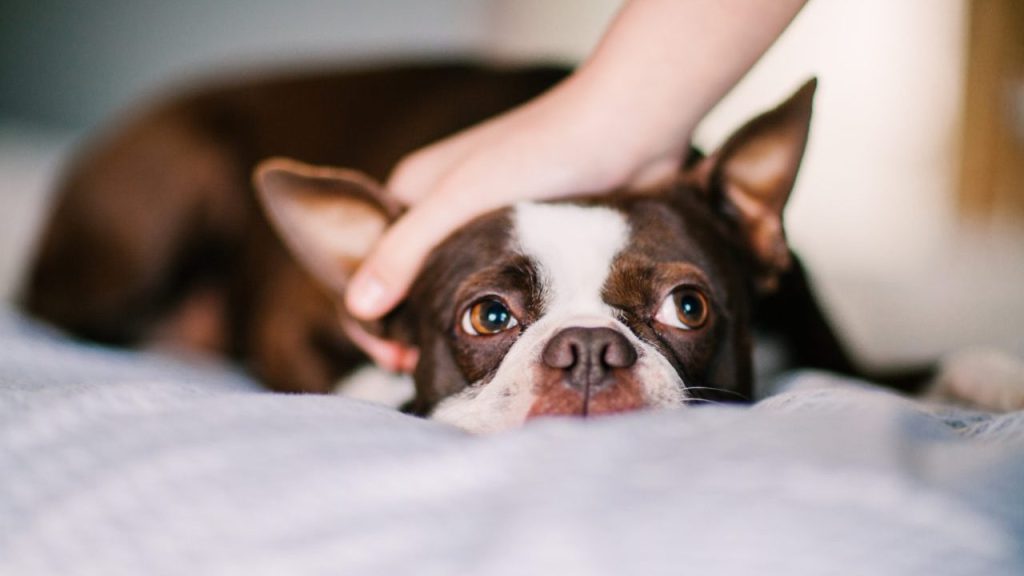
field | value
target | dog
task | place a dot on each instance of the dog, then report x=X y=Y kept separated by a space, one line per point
x=191 y=224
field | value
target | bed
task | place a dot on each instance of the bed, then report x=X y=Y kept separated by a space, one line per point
x=124 y=462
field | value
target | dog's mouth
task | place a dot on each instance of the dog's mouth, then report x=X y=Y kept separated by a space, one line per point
x=558 y=399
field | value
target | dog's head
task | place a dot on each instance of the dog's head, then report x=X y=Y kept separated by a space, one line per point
x=579 y=307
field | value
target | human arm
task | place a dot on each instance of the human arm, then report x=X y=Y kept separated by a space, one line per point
x=624 y=117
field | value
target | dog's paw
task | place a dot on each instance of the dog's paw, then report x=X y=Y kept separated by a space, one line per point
x=979 y=378
x=371 y=384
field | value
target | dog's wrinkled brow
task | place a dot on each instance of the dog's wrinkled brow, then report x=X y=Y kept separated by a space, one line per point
x=512 y=274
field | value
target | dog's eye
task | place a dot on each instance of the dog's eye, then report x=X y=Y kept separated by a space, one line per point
x=486 y=317
x=686 y=308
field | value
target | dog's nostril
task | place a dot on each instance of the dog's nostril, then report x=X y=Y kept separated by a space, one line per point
x=619 y=353
x=561 y=353
x=592 y=350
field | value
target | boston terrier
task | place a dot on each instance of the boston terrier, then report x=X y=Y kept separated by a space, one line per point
x=592 y=305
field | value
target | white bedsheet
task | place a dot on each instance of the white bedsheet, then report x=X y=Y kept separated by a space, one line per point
x=126 y=463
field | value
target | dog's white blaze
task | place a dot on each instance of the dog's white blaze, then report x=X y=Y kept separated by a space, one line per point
x=573 y=248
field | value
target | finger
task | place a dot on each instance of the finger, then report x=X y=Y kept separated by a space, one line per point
x=385 y=275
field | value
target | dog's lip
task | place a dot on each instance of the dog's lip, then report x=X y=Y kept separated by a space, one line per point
x=585 y=410
x=620 y=391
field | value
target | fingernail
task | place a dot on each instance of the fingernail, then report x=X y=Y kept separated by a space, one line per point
x=365 y=295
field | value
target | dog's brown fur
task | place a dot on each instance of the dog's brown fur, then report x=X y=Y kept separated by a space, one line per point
x=157 y=233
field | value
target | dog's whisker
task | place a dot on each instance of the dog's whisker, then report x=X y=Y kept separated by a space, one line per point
x=701 y=401
x=720 y=390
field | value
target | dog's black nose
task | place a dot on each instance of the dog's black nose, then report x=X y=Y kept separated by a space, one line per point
x=587 y=355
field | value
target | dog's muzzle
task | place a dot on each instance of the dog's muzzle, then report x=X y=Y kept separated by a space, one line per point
x=586 y=371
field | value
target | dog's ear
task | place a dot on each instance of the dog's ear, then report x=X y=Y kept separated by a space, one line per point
x=328 y=217
x=751 y=175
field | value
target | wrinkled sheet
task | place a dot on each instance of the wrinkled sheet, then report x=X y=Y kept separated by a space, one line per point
x=115 y=462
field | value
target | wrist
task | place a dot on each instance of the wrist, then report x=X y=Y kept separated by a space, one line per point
x=626 y=134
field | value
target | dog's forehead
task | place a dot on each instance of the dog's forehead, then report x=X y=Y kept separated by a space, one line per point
x=581 y=242
x=573 y=245
x=566 y=252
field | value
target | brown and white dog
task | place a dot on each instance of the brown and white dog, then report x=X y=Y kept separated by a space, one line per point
x=587 y=306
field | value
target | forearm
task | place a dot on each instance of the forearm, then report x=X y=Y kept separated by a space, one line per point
x=663 y=64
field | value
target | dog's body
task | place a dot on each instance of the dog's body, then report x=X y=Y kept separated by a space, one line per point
x=157 y=232
x=587 y=306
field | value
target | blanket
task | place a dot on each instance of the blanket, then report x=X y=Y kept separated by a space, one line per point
x=117 y=462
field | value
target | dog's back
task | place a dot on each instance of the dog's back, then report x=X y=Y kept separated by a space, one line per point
x=156 y=234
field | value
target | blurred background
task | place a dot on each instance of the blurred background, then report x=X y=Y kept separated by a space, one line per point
x=909 y=209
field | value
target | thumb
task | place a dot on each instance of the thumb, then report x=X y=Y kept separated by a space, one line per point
x=385 y=276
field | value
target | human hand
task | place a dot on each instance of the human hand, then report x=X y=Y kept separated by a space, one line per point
x=561 y=144
x=624 y=118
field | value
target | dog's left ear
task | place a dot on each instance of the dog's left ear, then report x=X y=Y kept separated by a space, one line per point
x=328 y=217
x=751 y=175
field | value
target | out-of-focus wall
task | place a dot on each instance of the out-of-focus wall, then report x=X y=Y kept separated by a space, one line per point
x=71 y=63
x=876 y=195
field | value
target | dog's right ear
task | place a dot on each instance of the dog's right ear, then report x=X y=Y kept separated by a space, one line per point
x=329 y=218
x=750 y=177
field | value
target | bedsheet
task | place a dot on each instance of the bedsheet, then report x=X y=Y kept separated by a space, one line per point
x=116 y=462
